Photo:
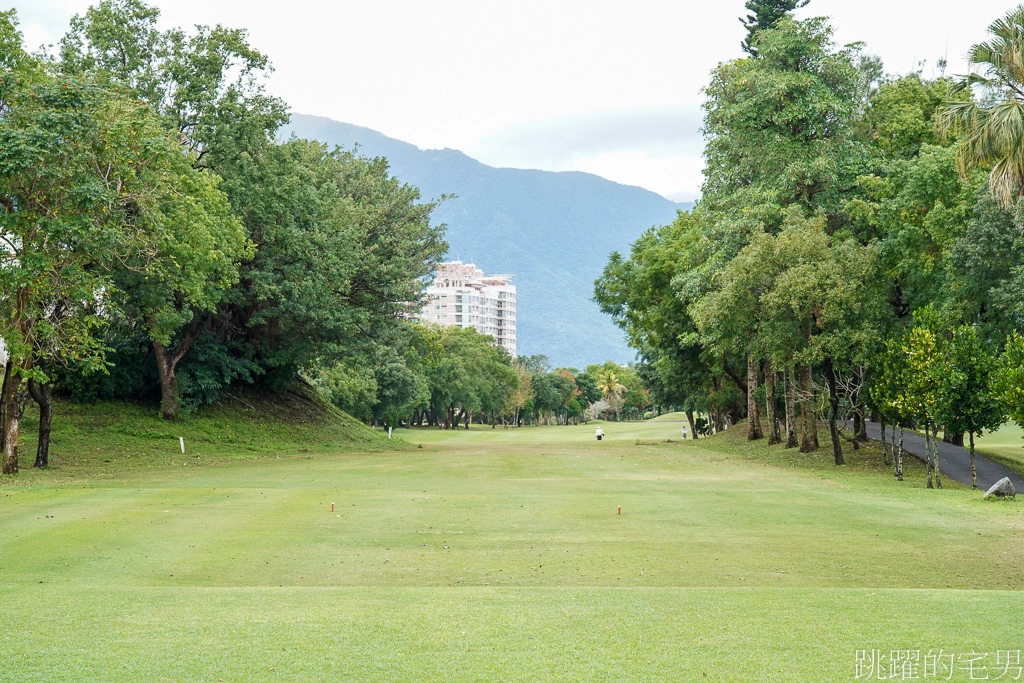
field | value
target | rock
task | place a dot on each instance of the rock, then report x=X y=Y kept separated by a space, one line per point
x=1002 y=488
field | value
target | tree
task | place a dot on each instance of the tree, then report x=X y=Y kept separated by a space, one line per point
x=586 y=385
x=612 y=390
x=780 y=137
x=799 y=298
x=548 y=396
x=523 y=393
x=206 y=85
x=765 y=15
x=197 y=245
x=342 y=251
x=887 y=393
x=1010 y=378
x=85 y=174
x=537 y=364
x=990 y=128
x=645 y=299
x=466 y=373
x=352 y=389
x=970 y=402
x=780 y=131
x=923 y=394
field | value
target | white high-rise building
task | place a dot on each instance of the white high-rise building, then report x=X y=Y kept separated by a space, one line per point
x=464 y=297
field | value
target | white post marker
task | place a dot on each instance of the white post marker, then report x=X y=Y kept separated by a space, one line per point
x=181 y=440
x=389 y=432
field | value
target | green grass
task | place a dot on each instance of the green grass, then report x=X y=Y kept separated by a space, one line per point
x=109 y=438
x=498 y=555
x=669 y=417
x=1005 y=445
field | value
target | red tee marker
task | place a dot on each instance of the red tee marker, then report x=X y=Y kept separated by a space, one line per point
x=620 y=509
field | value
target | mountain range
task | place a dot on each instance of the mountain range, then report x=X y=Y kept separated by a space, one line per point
x=553 y=231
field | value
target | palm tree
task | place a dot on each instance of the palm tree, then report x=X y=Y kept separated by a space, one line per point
x=608 y=383
x=991 y=128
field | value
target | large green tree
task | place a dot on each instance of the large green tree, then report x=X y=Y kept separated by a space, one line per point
x=342 y=249
x=89 y=178
x=641 y=295
x=780 y=129
x=206 y=87
x=197 y=245
x=781 y=133
x=970 y=402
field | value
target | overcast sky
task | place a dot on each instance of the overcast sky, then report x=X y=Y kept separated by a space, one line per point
x=612 y=88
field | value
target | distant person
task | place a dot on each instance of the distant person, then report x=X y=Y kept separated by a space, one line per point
x=599 y=434
x=684 y=432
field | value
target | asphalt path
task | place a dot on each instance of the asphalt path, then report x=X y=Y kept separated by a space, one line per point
x=954 y=461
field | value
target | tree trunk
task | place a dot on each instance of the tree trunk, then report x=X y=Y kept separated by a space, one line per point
x=860 y=427
x=689 y=419
x=769 y=404
x=899 y=455
x=11 y=421
x=741 y=385
x=8 y=369
x=885 y=453
x=955 y=438
x=808 y=420
x=974 y=469
x=928 y=453
x=791 y=440
x=41 y=395
x=753 y=414
x=170 y=401
x=935 y=452
x=833 y=412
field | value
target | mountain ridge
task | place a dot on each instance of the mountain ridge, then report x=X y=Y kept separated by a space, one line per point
x=552 y=230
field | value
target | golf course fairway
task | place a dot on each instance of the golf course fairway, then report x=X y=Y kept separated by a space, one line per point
x=501 y=554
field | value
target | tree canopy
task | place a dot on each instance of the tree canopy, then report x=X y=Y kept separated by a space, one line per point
x=856 y=249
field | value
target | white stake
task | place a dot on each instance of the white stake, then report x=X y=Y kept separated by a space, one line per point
x=181 y=440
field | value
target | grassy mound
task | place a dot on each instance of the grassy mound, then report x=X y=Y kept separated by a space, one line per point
x=106 y=438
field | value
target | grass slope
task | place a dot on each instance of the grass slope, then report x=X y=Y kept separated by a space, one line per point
x=107 y=439
x=498 y=555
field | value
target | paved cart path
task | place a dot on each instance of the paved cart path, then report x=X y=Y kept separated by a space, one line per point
x=954 y=461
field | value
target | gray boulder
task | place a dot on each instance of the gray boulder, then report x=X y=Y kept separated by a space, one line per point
x=1002 y=488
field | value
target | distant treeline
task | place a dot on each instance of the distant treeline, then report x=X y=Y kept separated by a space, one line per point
x=449 y=377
